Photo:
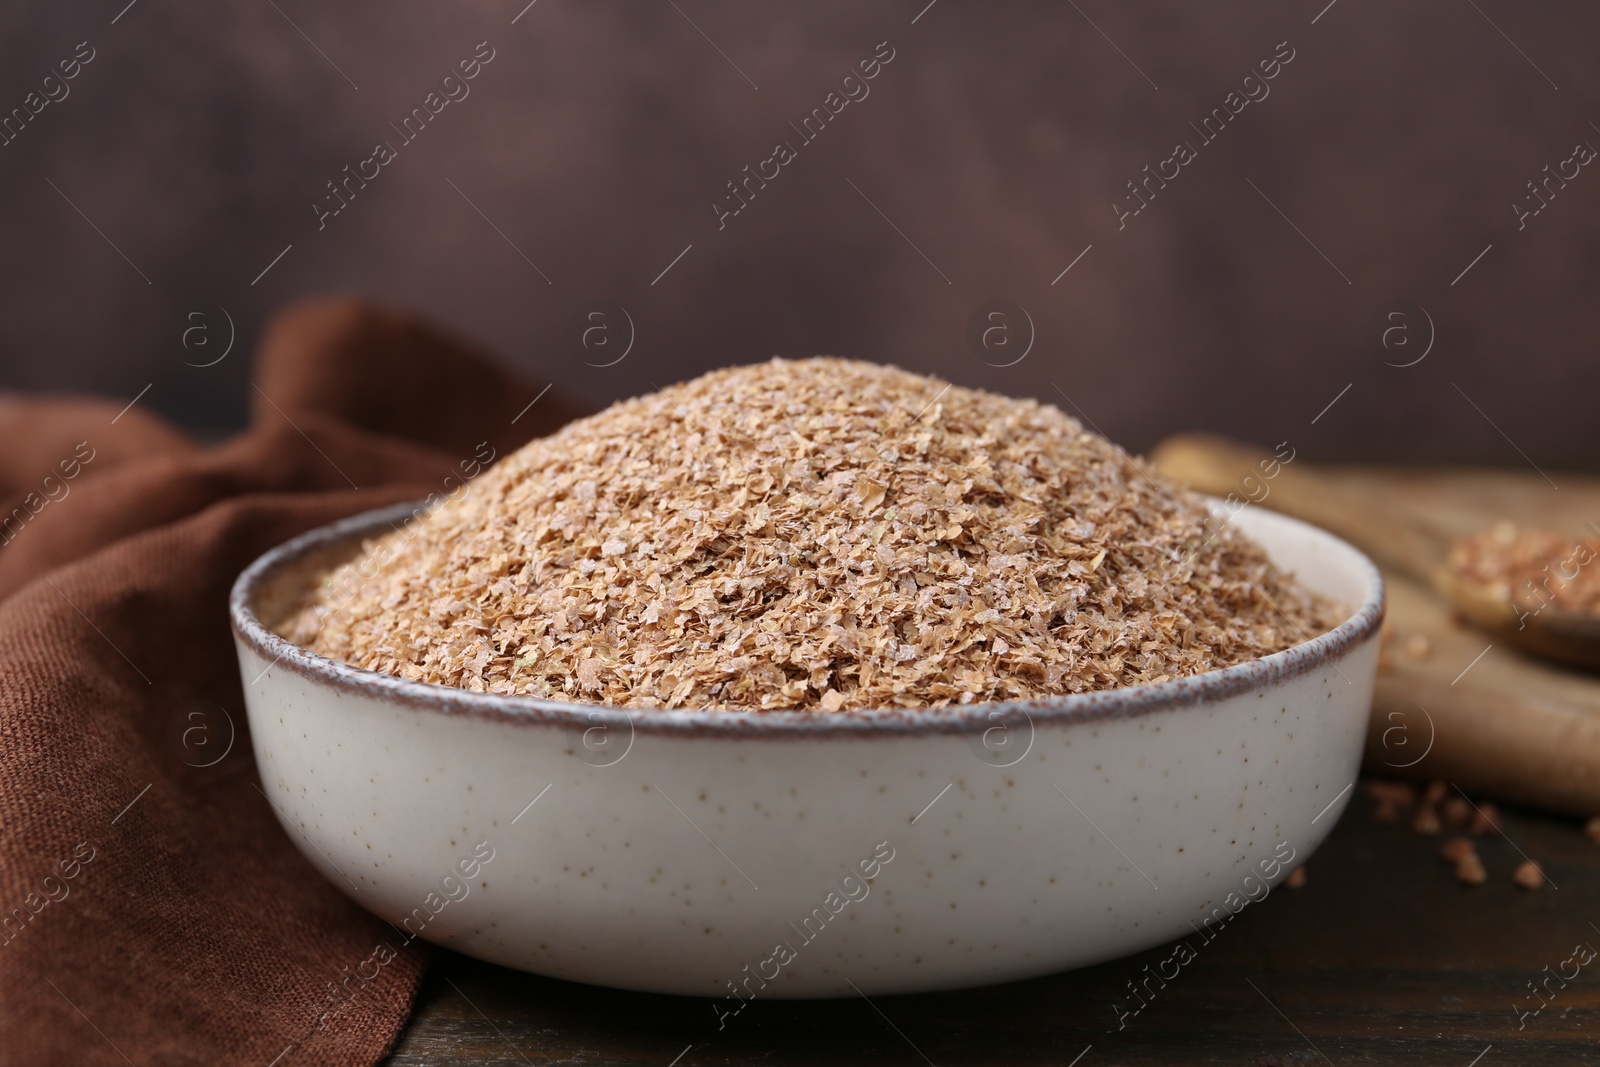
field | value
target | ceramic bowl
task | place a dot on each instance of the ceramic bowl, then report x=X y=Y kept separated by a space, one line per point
x=796 y=854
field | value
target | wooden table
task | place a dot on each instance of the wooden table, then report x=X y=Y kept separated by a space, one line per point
x=1382 y=958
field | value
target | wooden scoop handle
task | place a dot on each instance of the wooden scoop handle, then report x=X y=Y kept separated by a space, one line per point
x=1217 y=466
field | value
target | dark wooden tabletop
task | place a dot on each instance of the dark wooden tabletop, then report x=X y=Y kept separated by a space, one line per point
x=1381 y=958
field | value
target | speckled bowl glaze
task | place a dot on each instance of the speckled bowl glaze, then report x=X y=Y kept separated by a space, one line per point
x=799 y=854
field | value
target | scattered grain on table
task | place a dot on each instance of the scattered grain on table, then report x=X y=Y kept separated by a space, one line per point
x=1470 y=870
x=1399 y=794
x=1485 y=820
x=1528 y=875
x=1426 y=821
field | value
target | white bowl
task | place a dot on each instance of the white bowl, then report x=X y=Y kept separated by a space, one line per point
x=798 y=854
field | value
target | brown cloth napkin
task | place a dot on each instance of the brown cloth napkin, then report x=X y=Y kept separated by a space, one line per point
x=154 y=912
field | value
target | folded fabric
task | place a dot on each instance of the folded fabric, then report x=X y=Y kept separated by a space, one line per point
x=152 y=910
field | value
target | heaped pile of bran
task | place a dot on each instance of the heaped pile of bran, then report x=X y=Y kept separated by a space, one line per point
x=819 y=534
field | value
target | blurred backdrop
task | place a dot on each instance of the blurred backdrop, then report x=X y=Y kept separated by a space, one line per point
x=1369 y=229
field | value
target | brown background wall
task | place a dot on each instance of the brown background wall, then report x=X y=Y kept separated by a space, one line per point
x=1391 y=148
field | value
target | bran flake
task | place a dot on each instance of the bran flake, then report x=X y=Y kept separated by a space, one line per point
x=820 y=534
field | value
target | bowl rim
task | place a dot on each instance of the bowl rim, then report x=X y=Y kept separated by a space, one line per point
x=1097 y=706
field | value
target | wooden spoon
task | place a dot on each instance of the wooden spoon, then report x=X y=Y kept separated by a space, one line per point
x=1405 y=543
